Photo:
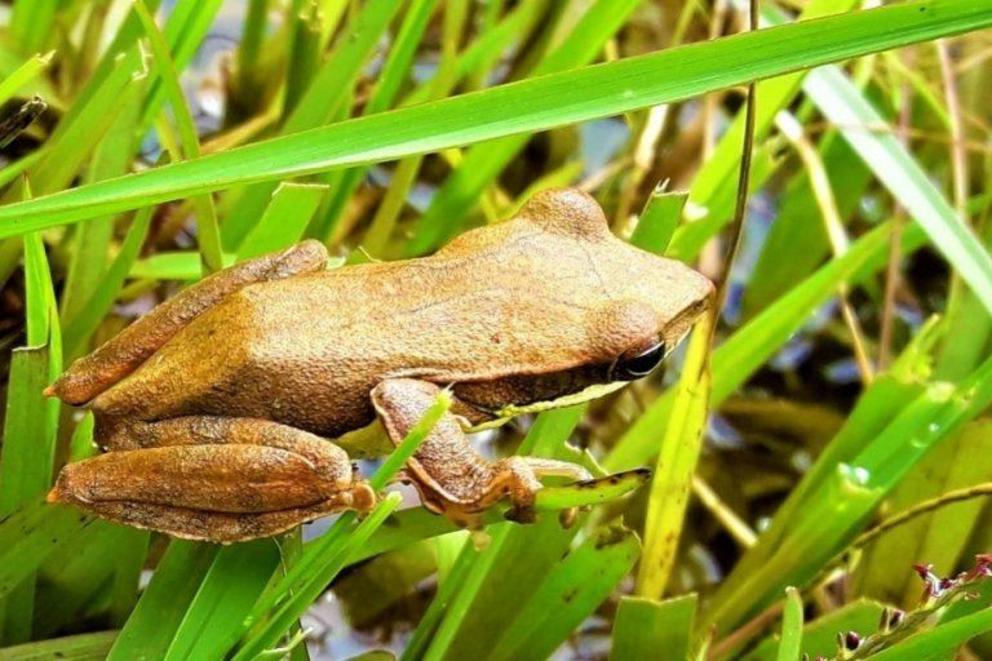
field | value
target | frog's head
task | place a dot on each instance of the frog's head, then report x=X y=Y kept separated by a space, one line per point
x=639 y=305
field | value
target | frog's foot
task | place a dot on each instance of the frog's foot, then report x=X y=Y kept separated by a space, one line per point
x=217 y=479
x=450 y=476
x=91 y=375
x=519 y=479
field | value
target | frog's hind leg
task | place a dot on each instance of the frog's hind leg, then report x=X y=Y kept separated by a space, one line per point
x=216 y=479
x=91 y=375
x=451 y=477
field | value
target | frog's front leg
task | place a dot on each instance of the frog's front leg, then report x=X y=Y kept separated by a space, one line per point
x=451 y=477
x=216 y=479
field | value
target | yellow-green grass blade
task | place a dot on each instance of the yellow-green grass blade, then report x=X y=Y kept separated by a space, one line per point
x=680 y=447
x=81 y=646
x=565 y=98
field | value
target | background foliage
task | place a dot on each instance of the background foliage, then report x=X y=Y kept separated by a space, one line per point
x=835 y=435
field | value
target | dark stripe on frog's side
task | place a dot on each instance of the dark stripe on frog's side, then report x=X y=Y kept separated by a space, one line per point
x=519 y=391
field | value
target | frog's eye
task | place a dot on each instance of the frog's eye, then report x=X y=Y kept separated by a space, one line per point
x=634 y=367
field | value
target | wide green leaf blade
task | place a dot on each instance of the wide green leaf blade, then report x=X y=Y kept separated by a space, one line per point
x=645 y=628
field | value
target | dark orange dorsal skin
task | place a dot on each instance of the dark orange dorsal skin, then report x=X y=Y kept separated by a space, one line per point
x=526 y=311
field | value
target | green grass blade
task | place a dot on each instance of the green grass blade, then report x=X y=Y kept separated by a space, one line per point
x=295 y=603
x=405 y=174
x=643 y=627
x=940 y=642
x=790 y=646
x=284 y=220
x=888 y=395
x=25 y=74
x=658 y=220
x=939 y=538
x=31 y=420
x=485 y=603
x=104 y=295
x=572 y=96
x=394 y=73
x=181 y=265
x=677 y=460
x=31 y=534
x=831 y=517
x=569 y=593
x=230 y=587
x=794 y=234
x=25 y=471
x=160 y=611
x=32 y=23
x=74 y=579
x=281 y=605
x=189 y=22
x=83 y=127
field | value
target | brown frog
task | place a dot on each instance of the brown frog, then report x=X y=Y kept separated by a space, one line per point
x=215 y=409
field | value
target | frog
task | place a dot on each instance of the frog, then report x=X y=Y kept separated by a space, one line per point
x=224 y=414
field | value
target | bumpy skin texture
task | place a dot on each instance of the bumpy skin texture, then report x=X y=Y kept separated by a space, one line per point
x=527 y=311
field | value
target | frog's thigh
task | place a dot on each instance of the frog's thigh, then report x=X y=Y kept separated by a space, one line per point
x=449 y=474
x=220 y=479
x=91 y=375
